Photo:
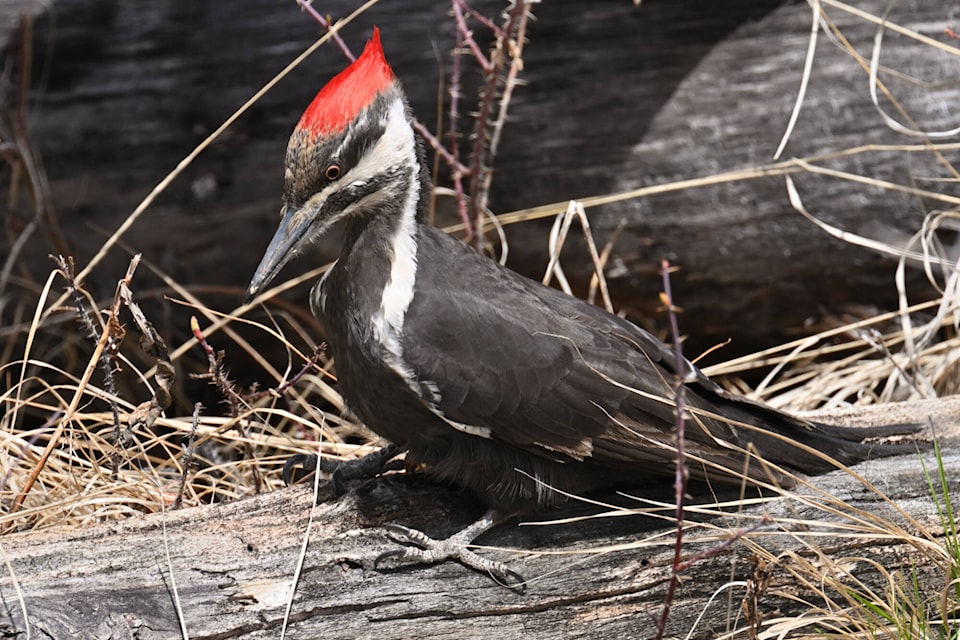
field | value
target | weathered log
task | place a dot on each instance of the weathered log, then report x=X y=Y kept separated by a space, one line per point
x=616 y=96
x=742 y=240
x=230 y=566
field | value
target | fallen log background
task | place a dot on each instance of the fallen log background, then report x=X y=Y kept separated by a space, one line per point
x=230 y=566
x=615 y=97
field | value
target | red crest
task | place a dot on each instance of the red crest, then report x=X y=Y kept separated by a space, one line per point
x=341 y=99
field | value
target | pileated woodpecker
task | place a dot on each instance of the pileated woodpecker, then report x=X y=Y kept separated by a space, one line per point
x=490 y=380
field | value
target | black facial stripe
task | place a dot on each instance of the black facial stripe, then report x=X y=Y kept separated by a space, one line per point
x=308 y=159
x=363 y=139
x=389 y=183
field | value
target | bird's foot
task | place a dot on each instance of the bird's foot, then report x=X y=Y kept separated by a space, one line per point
x=370 y=465
x=419 y=548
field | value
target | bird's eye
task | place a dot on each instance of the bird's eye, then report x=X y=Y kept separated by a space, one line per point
x=333 y=171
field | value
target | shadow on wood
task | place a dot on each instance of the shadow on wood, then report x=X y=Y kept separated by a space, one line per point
x=231 y=564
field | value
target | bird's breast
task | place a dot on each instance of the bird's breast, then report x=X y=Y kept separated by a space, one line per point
x=374 y=380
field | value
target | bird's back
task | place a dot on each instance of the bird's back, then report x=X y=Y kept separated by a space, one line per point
x=522 y=376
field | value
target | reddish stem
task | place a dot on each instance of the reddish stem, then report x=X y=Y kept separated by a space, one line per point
x=682 y=473
x=308 y=7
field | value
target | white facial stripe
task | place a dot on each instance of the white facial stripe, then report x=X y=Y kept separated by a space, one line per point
x=403 y=271
x=322 y=295
x=396 y=147
x=357 y=126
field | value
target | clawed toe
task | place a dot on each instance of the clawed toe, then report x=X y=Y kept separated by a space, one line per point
x=419 y=548
x=408 y=537
x=297 y=462
x=370 y=465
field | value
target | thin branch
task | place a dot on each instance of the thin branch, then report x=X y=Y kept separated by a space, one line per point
x=436 y=145
x=726 y=544
x=311 y=364
x=109 y=362
x=152 y=344
x=219 y=378
x=492 y=112
x=307 y=6
x=189 y=451
x=682 y=473
x=515 y=45
x=457 y=172
x=482 y=19
x=465 y=37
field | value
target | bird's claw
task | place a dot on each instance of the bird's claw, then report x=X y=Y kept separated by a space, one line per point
x=368 y=466
x=302 y=461
x=419 y=548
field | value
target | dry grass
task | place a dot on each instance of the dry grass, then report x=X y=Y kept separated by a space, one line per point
x=78 y=450
x=50 y=406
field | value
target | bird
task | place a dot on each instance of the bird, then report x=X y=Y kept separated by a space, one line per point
x=487 y=380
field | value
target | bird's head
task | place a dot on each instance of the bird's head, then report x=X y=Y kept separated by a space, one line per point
x=352 y=151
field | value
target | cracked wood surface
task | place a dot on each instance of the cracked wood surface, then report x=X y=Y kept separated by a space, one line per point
x=232 y=564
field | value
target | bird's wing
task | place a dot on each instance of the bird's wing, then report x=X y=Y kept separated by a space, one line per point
x=555 y=376
x=534 y=367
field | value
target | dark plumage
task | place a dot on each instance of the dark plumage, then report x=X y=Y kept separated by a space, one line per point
x=489 y=380
x=571 y=394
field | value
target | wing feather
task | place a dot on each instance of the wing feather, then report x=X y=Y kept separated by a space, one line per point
x=567 y=381
x=539 y=369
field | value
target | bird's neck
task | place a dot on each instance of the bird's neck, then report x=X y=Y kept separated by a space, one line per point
x=377 y=270
x=395 y=215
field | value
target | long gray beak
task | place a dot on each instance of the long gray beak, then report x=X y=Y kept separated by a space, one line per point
x=293 y=231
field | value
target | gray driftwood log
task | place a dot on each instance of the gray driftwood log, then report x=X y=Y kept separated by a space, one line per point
x=615 y=97
x=231 y=565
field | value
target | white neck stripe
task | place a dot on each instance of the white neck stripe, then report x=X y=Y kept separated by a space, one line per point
x=396 y=142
